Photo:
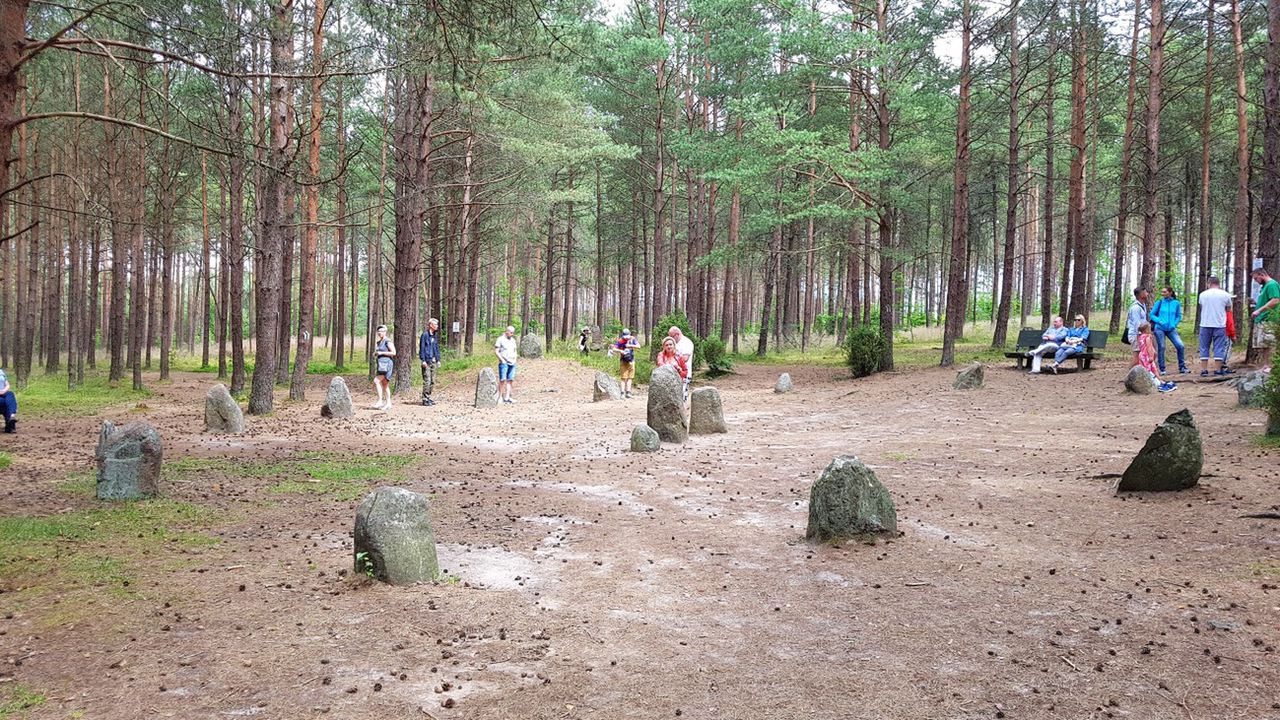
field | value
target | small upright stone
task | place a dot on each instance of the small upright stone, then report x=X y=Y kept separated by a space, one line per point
x=129 y=459
x=645 y=439
x=605 y=388
x=487 y=388
x=1249 y=388
x=783 y=384
x=394 y=541
x=530 y=346
x=1171 y=460
x=1140 y=381
x=970 y=378
x=706 y=414
x=665 y=411
x=221 y=412
x=848 y=501
x=337 y=400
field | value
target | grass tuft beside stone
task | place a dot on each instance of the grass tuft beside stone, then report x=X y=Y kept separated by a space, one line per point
x=16 y=700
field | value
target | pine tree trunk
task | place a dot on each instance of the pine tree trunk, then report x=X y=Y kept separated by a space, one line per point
x=1000 y=334
x=1076 y=236
x=310 y=238
x=1120 y=253
x=1151 y=179
x=956 y=282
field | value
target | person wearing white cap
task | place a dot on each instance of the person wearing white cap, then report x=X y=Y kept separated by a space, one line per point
x=625 y=347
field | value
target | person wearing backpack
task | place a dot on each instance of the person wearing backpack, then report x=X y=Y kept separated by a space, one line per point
x=384 y=353
x=625 y=348
x=1165 y=316
x=1137 y=316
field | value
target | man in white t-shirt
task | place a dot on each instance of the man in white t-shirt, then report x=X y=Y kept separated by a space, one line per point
x=684 y=349
x=1215 y=305
x=506 y=350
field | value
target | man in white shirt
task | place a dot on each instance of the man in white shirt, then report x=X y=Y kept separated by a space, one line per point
x=684 y=349
x=506 y=350
x=1215 y=304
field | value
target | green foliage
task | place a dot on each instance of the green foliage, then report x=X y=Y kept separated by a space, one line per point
x=864 y=349
x=1271 y=397
x=713 y=351
x=341 y=477
x=17 y=700
x=47 y=396
x=365 y=565
x=5 y=460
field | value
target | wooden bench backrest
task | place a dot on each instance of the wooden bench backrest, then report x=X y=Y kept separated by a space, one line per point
x=1030 y=337
x=1097 y=340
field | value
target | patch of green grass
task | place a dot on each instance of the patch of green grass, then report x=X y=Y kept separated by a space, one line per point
x=1271 y=442
x=5 y=460
x=99 y=547
x=191 y=363
x=15 y=701
x=47 y=396
x=605 y=364
x=1264 y=569
x=899 y=456
x=341 y=477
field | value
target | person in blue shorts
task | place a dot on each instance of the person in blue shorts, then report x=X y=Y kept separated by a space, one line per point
x=8 y=404
x=507 y=351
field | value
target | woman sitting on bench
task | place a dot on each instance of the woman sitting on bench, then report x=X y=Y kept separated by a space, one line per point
x=1076 y=342
x=1052 y=338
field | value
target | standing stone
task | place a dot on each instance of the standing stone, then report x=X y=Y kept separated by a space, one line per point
x=530 y=346
x=394 y=541
x=1171 y=460
x=221 y=412
x=337 y=400
x=970 y=378
x=1249 y=388
x=783 y=384
x=848 y=501
x=706 y=414
x=605 y=388
x=645 y=439
x=1140 y=381
x=666 y=405
x=487 y=388
x=129 y=460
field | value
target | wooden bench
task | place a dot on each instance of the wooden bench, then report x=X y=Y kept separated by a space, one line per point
x=1030 y=338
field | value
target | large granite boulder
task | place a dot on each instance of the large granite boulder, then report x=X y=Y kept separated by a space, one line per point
x=849 y=502
x=706 y=414
x=221 y=412
x=605 y=388
x=1171 y=460
x=1250 y=387
x=487 y=388
x=129 y=459
x=337 y=400
x=971 y=377
x=783 y=384
x=645 y=439
x=1140 y=381
x=530 y=346
x=666 y=405
x=394 y=541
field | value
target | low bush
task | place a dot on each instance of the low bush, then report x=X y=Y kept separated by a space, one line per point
x=864 y=347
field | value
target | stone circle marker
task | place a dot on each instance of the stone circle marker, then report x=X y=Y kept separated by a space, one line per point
x=605 y=388
x=971 y=377
x=487 y=388
x=394 y=541
x=849 y=502
x=645 y=439
x=129 y=459
x=337 y=400
x=1171 y=459
x=1249 y=388
x=783 y=384
x=222 y=414
x=1140 y=381
x=665 y=411
x=706 y=413
x=530 y=346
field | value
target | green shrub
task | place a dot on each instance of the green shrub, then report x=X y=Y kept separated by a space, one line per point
x=864 y=347
x=714 y=352
x=677 y=318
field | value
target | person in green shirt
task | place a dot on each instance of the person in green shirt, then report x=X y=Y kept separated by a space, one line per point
x=1264 y=317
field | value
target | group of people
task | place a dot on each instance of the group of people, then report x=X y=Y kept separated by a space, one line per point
x=676 y=353
x=1063 y=342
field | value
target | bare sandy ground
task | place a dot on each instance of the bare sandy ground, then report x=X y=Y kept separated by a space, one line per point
x=597 y=583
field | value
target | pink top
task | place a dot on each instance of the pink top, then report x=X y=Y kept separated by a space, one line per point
x=1147 y=353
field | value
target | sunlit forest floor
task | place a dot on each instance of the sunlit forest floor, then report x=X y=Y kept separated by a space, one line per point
x=580 y=580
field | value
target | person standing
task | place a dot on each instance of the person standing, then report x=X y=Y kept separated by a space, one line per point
x=1166 y=314
x=625 y=347
x=429 y=354
x=1137 y=316
x=684 y=350
x=584 y=341
x=8 y=404
x=507 y=351
x=1264 y=316
x=1215 y=306
x=384 y=353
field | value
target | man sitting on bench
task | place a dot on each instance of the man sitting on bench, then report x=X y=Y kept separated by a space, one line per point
x=1053 y=337
x=1074 y=343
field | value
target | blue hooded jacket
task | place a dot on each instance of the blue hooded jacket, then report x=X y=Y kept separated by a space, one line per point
x=1166 y=314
